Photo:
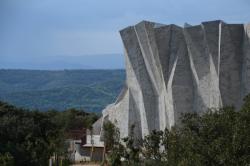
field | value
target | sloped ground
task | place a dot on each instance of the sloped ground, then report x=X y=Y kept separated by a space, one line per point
x=90 y=90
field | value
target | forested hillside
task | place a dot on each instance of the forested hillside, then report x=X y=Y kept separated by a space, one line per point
x=90 y=90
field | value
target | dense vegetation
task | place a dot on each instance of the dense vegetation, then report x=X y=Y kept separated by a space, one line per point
x=90 y=90
x=215 y=138
x=31 y=137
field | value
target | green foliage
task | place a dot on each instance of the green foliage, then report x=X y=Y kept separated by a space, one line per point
x=215 y=138
x=32 y=137
x=114 y=149
x=152 y=144
x=73 y=119
x=132 y=150
x=111 y=135
x=212 y=139
x=91 y=90
x=6 y=159
x=28 y=136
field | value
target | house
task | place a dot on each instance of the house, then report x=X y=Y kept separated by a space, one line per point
x=85 y=145
x=74 y=142
x=94 y=145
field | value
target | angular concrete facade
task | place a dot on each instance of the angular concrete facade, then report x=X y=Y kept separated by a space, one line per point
x=172 y=70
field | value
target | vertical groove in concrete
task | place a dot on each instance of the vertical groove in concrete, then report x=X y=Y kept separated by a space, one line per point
x=219 y=49
x=173 y=70
x=246 y=62
x=230 y=64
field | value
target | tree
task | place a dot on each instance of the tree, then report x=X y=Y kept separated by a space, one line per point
x=28 y=136
x=216 y=137
x=152 y=145
x=114 y=149
x=132 y=150
x=6 y=159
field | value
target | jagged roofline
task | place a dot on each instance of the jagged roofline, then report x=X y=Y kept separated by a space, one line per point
x=158 y=25
x=186 y=25
x=172 y=70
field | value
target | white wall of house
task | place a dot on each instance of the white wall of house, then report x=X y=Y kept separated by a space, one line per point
x=95 y=139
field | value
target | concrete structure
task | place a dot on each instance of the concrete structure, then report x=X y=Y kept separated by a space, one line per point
x=172 y=70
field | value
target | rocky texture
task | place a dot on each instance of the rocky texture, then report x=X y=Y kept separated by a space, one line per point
x=173 y=70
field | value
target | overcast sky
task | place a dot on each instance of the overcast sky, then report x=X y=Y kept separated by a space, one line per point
x=44 y=28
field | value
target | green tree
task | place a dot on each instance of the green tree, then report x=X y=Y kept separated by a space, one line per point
x=114 y=149
x=152 y=145
x=27 y=135
x=132 y=150
x=6 y=159
x=214 y=138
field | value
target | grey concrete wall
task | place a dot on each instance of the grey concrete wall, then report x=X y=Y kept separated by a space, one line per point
x=173 y=70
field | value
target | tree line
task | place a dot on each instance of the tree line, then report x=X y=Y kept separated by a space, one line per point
x=215 y=138
x=32 y=137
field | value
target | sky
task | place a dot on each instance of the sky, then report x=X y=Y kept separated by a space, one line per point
x=36 y=33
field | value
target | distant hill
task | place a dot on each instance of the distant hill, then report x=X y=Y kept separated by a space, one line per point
x=60 y=62
x=90 y=90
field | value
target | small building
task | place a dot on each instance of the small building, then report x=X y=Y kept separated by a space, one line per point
x=94 y=144
x=74 y=142
x=85 y=145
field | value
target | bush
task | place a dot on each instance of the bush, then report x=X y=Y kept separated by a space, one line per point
x=217 y=137
x=6 y=159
